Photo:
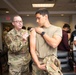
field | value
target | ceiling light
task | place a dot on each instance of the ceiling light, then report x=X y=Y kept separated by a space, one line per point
x=7 y=11
x=27 y=15
x=42 y=5
x=62 y=14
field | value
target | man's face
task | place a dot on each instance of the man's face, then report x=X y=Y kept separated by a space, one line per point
x=66 y=29
x=18 y=23
x=40 y=19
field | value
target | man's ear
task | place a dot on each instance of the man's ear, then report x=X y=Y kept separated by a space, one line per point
x=46 y=15
x=13 y=23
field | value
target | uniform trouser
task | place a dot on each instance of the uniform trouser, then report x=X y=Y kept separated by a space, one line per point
x=19 y=70
x=52 y=66
x=36 y=70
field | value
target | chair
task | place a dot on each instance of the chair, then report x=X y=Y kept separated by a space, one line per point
x=74 y=62
x=74 y=56
x=63 y=56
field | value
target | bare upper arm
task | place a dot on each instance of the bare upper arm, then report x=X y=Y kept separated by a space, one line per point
x=57 y=38
x=32 y=39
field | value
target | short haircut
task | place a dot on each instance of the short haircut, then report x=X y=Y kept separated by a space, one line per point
x=15 y=16
x=75 y=26
x=42 y=11
x=66 y=26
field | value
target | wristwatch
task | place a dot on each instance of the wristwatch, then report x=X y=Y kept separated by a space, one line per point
x=42 y=33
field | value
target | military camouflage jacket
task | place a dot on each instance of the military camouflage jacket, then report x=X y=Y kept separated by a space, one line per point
x=15 y=41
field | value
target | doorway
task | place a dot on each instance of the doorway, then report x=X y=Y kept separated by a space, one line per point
x=6 y=27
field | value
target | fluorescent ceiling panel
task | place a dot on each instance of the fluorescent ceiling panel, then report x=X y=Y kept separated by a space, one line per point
x=42 y=5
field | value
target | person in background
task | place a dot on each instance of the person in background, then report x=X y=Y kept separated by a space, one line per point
x=73 y=34
x=44 y=40
x=72 y=46
x=24 y=27
x=18 y=53
x=74 y=43
x=68 y=30
x=64 y=45
x=69 y=34
x=5 y=31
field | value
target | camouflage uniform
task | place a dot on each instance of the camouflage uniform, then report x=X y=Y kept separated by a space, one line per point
x=44 y=50
x=18 y=54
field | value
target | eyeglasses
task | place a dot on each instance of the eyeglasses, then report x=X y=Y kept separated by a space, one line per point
x=18 y=21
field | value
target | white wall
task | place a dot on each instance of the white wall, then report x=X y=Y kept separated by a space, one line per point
x=73 y=21
x=58 y=21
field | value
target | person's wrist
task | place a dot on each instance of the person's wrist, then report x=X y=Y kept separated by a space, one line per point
x=42 y=33
x=38 y=65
